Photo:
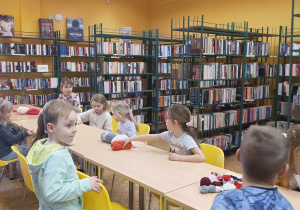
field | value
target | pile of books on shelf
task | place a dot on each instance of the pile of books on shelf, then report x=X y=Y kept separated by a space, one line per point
x=27 y=49
x=213 y=96
x=84 y=96
x=284 y=69
x=34 y=84
x=124 y=86
x=221 y=141
x=75 y=66
x=134 y=103
x=165 y=100
x=121 y=48
x=164 y=68
x=179 y=71
x=80 y=81
x=284 y=88
x=37 y=100
x=21 y=66
x=285 y=49
x=257 y=92
x=123 y=67
x=75 y=51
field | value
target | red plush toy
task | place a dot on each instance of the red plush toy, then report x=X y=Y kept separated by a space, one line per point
x=33 y=111
x=118 y=145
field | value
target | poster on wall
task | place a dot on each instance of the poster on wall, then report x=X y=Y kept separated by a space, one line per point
x=125 y=31
x=46 y=28
x=6 y=25
x=75 y=29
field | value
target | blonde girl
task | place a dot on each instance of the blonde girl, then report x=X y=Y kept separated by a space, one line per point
x=126 y=122
x=98 y=116
x=180 y=137
x=292 y=178
x=10 y=135
x=54 y=175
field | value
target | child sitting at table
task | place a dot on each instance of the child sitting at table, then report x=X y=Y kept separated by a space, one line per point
x=66 y=87
x=98 y=115
x=54 y=176
x=10 y=135
x=126 y=122
x=292 y=178
x=180 y=137
x=264 y=156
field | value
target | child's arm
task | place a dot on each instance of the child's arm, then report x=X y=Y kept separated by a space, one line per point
x=54 y=186
x=146 y=137
x=84 y=116
x=10 y=138
x=108 y=124
x=197 y=157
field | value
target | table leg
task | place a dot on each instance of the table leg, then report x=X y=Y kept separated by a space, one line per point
x=168 y=205
x=141 y=198
x=131 y=195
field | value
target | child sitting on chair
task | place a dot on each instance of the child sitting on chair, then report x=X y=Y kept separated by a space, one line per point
x=98 y=115
x=264 y=156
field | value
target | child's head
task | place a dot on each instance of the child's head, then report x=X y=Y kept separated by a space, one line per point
x=99 y=103
x=293 y=141
x=66 y=86
x=5 y=110
x=58 y=120
x=121 y=111
x=263 y=154
x=177 y=117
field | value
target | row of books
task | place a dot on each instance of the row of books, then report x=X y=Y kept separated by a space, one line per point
x=222 y=141
x=233 y=47
x=217 y=71
x=212 y=96
x=284 y=88
x=80 y=81
x=122 y=86
x=284 y=69
x=134 y=103
x=166 y=100
x=21 y=66
x=34 y=84
x=179 y=70
x=255 y=93
x=231 y=117
x=84 y=96
x=75 y=66
x=285 y=49
x=165 y=83
x=162 y=115
x=139 y=118
x=254 y=70
x=75 y=51
x=27 y=49
x=121 y=48
x=164 y=68
x=36 y=100
x=123 y=67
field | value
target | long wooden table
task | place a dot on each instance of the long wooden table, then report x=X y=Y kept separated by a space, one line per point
x=150 y=168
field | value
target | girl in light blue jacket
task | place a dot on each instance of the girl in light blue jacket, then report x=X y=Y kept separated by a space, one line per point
x=54 y=175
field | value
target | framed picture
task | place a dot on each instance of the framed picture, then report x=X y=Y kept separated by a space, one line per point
x=7 y=25
x=4 y=83
x=46 y=28
x=75 y=29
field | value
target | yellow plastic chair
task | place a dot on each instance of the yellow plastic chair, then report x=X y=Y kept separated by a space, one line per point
x=114 y=125
x=213 y=155
x=93 y=200
x=3 y=165
x=25 y=172
x=143 y=129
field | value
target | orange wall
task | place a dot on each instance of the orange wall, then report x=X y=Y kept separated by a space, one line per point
x=259 y=13
x=131 y=13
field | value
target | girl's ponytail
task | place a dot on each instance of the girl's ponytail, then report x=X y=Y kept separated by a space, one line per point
x=41 y=130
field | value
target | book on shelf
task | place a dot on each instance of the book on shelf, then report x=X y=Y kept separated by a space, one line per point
x=46 y=28
x=34 y=84
x=121 y=49
x=222 y=141
x=4 y=85
x=37 y=100
x=27 y=49
x=134 y=103
x=123 y=67
x=75 y=67
x=75 y=29
x=17 y=67
x=126 y=31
